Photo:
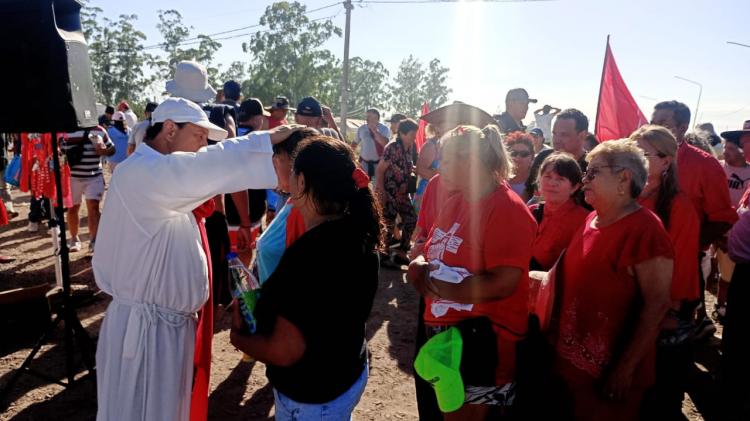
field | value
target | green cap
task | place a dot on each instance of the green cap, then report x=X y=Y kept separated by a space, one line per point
x=439 y=363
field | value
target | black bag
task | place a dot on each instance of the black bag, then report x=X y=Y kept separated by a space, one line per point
x=411 y=186
x=479 y=356
x=74 y=151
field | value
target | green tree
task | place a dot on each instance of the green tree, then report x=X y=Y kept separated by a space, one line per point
x=434 y=89
x=178 y=45
x=288 y=59
x=118 y=58
x=236 y=71
x=414 y=84
x=367 y=86
x=406 y=90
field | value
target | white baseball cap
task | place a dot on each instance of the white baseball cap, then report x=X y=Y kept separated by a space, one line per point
x=118 y=116
x=181 y=110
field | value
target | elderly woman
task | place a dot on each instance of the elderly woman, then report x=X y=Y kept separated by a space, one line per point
x=311 y=317
x=521 y=150
x=616 y=279
x=559 y=216
x=391 y=183
x=662 y=196
x=471 y=236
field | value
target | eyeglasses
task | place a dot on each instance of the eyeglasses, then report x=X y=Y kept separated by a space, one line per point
x=522 y=154
x=592 y=172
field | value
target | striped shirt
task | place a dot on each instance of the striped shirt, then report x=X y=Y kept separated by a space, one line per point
x=91 y=163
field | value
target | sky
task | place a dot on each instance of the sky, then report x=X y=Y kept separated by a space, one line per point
x=554 y=49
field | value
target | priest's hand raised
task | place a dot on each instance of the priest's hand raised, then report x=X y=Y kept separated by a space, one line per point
x=281 y=133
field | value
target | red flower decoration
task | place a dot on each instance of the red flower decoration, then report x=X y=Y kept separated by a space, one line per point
x=360 y=177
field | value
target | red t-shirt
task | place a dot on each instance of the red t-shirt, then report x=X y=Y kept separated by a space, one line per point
x=495 y=231
x=275 y=123
x=599 y=307
x=684 y=231
x=295 y=226
x=555 y=231
x=702 y=178
x=434 y=198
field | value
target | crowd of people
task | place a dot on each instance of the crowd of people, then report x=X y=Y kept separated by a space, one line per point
x=483 y=213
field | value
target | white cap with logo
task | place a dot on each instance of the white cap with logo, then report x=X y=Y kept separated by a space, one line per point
x=181 y=110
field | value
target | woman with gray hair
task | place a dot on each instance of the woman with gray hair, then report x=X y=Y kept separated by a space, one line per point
x=615 y=282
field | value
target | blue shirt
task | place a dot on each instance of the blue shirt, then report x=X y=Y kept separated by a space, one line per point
x=272 y=244
x=120 y=140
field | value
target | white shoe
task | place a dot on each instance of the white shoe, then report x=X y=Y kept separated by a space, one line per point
x=74 y=246
x=33 y=226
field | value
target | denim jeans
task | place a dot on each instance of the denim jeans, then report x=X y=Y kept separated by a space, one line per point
x=339 y=409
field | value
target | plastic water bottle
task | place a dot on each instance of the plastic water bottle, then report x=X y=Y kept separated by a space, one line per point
x=244 y=288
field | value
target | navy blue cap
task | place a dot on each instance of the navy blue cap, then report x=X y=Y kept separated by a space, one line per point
x=309 y=106
x=232 y=89
x=536 y=131
x=151 y=106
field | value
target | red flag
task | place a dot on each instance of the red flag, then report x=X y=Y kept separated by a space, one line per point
x=421 y=136
x=617 y=114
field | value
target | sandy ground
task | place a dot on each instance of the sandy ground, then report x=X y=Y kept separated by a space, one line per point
x=239 y=390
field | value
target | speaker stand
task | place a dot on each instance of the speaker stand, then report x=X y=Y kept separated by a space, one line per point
x=64 y=310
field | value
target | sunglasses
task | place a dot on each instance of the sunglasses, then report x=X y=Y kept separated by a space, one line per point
x=591 y=173
x=522 y=154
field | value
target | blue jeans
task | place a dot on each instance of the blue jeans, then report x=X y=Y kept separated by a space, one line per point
x=339 y=409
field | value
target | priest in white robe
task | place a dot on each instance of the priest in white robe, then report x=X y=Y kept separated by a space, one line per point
x=149 y=256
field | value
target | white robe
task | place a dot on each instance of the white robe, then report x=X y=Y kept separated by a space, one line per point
x=149 y=258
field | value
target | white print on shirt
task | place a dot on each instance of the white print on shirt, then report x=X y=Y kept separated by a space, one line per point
x=442 y=241
x=439 y=308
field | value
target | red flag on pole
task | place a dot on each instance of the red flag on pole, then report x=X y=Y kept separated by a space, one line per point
x=421 y=136
x=617 y=114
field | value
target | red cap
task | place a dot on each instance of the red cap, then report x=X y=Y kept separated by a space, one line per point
x=122 y=106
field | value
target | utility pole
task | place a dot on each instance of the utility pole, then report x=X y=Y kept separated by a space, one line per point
x=345 y=77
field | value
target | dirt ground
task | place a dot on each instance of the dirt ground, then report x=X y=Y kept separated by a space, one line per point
x=239 y=390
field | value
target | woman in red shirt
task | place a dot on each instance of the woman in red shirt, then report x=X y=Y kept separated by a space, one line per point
x=662 y=195
x=472 y=233
x=615 y=280
x=559 y=217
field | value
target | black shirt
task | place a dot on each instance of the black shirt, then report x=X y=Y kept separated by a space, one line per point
x=508 y=125
x=325 y=285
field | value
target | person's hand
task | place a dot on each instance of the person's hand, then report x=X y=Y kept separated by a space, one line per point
x=618 y=383
x=417 y=248
x=282 y=133
x=418 y=275
x=244 y=236
x=328 y=116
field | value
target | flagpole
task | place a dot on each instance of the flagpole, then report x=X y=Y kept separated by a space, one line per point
x=601 y=84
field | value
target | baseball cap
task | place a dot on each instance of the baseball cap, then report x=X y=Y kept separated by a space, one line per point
x=536 y=131
x=123 y=105
x=281 y=103
x=118 y=116
x=232 y=89
x=250 y=108
x=518 y=94
x=309 y=106
x=439 y=362
x=181 y=110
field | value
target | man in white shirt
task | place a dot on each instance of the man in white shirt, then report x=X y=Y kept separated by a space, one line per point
x=543 y=117
x=130 y=116
x=372 y=137
x=737 y=170
x=150 y=256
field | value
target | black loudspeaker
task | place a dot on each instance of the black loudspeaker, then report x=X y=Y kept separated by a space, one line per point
x=45 y=74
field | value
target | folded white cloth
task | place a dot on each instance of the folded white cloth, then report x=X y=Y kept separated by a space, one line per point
x=445 y=273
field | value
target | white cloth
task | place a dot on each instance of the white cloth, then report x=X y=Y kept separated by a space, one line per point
x=367 y=143
x=544 y=122
x=149 y=258
x=138 y=132
x=453 y=275
x=130 y=118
